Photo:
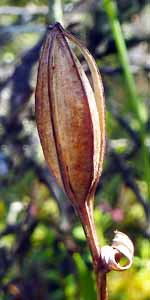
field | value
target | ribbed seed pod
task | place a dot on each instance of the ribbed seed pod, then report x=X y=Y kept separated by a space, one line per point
x=70 y=116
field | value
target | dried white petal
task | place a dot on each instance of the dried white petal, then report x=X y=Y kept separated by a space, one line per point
x=121 y=247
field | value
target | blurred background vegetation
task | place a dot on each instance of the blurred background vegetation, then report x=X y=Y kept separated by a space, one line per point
x=43 y=252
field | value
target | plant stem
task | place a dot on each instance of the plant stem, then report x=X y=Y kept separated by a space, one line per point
x=101 y=285
x=111 y=11
x=136 y=106
x=86 y=216
x=55 y=13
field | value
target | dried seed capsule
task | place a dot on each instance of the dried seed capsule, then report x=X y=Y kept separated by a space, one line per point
x=70 y=117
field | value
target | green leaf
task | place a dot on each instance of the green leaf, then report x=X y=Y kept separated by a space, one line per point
x=86 y=283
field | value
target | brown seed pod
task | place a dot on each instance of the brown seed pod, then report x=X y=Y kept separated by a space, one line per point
x=71 y=125
x=70 y=116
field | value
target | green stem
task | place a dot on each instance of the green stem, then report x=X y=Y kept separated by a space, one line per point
x=136 y=106
x=55 y=11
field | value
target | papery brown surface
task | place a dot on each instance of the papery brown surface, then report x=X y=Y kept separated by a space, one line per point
x=67 y=118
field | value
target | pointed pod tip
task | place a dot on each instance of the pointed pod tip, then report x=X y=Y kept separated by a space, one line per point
x=55 y=26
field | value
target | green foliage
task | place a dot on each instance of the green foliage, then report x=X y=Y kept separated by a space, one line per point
x=65 y=277
x=85 y=279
